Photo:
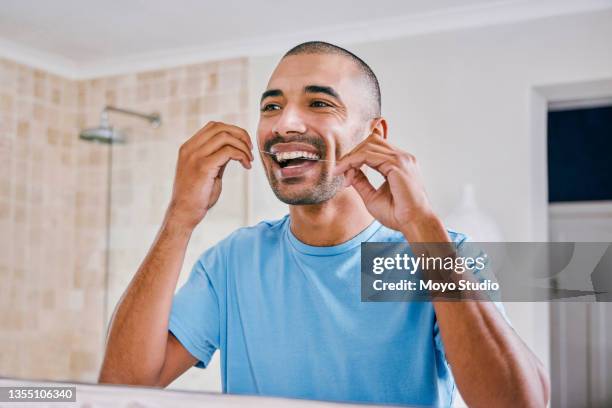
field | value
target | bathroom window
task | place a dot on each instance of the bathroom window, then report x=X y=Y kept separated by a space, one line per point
x=580 y=154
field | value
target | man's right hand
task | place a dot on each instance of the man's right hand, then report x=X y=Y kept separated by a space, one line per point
x=201 y=162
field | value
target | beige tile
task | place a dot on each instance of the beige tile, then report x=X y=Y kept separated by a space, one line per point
x=40 y=88
x=210 y=103
x=5 y=210
x=23 y=129
x=53 y=136
x=53 y=199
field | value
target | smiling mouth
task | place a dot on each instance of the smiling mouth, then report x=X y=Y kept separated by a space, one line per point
x=294 y=158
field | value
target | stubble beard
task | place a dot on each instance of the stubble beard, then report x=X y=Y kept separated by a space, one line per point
x=325 y=188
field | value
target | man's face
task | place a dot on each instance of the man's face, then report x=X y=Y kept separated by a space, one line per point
x=313 y=108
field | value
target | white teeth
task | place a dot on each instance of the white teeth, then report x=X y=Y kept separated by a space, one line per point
x=282 y=156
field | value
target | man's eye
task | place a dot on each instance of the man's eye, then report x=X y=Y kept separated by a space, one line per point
x=270 y=107
x=320 y=104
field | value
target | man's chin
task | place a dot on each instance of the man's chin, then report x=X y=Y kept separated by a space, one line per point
x=296 y=192
x=301 y=200
x=296 y=181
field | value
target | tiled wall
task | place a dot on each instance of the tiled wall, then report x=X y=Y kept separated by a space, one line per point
x=55 y=294
x=51 y=237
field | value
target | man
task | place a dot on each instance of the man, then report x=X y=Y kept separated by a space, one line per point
x=281 y=300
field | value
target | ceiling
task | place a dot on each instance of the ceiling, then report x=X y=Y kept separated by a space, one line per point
x=84 y=38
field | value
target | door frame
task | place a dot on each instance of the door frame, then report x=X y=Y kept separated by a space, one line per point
x=543 y=99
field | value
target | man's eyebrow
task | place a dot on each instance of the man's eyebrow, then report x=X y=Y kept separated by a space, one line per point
x=328 y=90
x=271 y=92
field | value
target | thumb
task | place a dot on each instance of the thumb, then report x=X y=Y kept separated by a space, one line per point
x=363 y=186
x=221 y=171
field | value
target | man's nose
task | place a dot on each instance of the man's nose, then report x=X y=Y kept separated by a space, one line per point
x=290 y=121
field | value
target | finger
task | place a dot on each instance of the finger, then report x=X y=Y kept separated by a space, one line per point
x=363 y=186
x=222 y=170
x=238 y=131
x=225 y=154
x=375 y=137
x=193 y=140
x=372 y=155
x=348 y=178
x=381 y=162
x=213 y=128
x=372 y=142
x=221 y=139
x=218 y=127
x=359 y=146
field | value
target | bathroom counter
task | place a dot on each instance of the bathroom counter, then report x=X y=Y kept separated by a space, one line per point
x=102 y=396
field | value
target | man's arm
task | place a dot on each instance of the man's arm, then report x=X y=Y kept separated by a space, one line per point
x=491 y=364
x=139 y=346
x=140 y=350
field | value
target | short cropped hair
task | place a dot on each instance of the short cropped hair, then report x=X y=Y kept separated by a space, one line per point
x=321 y=47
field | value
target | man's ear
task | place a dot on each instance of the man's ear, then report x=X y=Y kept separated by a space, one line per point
x=379 y=126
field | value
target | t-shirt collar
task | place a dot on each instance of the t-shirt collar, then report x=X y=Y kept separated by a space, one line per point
x=363 y=236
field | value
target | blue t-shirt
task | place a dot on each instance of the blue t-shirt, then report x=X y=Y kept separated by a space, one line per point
x=289 y=321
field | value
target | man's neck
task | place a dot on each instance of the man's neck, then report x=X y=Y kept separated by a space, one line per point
x=331 y=223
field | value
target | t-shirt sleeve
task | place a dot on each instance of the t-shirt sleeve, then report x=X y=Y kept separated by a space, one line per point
x=194 y=318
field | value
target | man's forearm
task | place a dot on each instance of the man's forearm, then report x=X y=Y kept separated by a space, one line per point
x=138 y=333
x=491 y=364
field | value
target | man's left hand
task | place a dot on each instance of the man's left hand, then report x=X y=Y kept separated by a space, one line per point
x=401 y=199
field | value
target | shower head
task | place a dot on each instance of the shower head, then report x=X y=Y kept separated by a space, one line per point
x=105 y=133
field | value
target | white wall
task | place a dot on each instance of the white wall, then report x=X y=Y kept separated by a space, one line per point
x=461 y=102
